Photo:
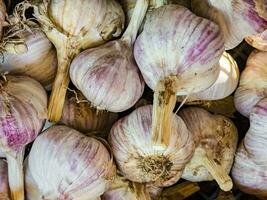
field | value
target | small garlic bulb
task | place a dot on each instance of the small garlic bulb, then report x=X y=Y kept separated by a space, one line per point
x=216 y=138
x=250 y=167
x=38 y=62
x=236 y=18
x=23 y=103
x=78 y=114
x=258 y=41
x=253 y=83
x=139 y=160
x=4 y=188
x=108 y=75
x=64 y=164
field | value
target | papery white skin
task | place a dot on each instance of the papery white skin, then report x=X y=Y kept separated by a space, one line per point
x=250 y=167
x=236 y=18
x=177 y=42
x=119 y=194
x=131 y=142
x=253 y=83
x=225 y=84
x=4 y=188
x=39 y=62
x=83 y=117
x=258 y=41
x=76 y=166
x=216 y=135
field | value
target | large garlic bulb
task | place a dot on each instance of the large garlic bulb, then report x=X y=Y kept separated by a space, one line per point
x=38 y=62
x=250 y=167
x=253 y=83
x=23 y=103
x=258 y=41
x=78 y=114
x=73 y=26
x=64 y=164
x=4 y=188
x=216 y=139
x=139 y=160
x=108 y=75
x=177 y=54
x=236 y=18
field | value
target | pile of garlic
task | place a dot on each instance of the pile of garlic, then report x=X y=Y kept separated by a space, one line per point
x=77 y=80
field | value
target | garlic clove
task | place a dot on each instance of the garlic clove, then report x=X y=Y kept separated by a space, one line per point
x=139 y=159
x=249 y=91
x=216 y=139
x=246 y=14
x=76 y=166
x=258 y=41
x=4 y=188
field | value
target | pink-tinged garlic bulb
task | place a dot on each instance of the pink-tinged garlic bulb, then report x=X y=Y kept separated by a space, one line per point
x=177 y=53
x=38 y=62
x=139 y=159
x=23 y=103
x=253 y=83
x=65 y=164
x=108 y=75
x=73 y=26
x=258 y=41
x=250 y=167
x=78 y=114
x=4 y=188
x=236 y=18
x=225 y=84
x=216 y=139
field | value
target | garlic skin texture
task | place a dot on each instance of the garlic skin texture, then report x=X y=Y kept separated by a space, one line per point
x=76 y=166
x=2 y=16
x=250 y=169
x=84 y=118
x=139 y=160
x=39 y=62
x=217 y=137
x=253 y=83
x=4 y=189
x=258 y=41
x=246 y=14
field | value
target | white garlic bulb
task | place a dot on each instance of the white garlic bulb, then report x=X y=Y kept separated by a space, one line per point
x=216 y=139
x=4 y=188
x=253 y=83
x=139 y=160
x=38 y=62
x=236 y=18
x=258 y=41
x=64 y=164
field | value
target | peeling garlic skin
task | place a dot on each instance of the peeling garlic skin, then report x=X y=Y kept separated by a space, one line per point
x=23 y=103
x=108 y=76
x=139 y=160
x=250 y=168
x=4 y=189
x=258 y=41
x=177 y=42
x=249 y=91
x=247 y=20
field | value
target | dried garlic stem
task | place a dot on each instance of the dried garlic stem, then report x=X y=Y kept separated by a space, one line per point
x=218 y=173
x=140 y=191
x=15 y=175
x=163 y=105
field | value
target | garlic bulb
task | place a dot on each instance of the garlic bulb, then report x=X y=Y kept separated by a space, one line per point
x=38 y=62
x=4 y=189
x=64 y=164
x=177 y=54
x=216 y=139
x=258 y=41
x=23 y=104
x=139 y=160
x=253 y=83
x=79 y=115
x=236 y=18
x=73 y=26
x=250 y=167
x=108 y=75
x=225 y=84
